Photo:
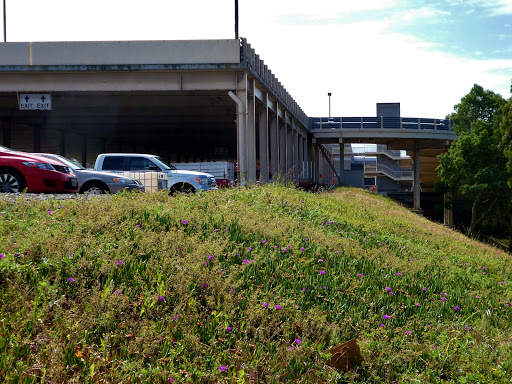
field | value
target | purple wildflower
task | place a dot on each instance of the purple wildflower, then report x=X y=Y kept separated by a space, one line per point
x=359 y=275
x=223 y=368
x=320 y=260
x=322 y=272
x=468 y=328
x=185 y=222
x=71 y=280
x=265 y=305
x=204 y=285
x=388 y=289
x=161 y=298
x=210 y=257
x=399 y=274
x=137 y=226
x=408 y=332
x=263 y=241
x=1 y=256
x=457 y=308
x=443 y=299
x=298 y=341
x=386 y=317
x=119 y=262
x=278 y=307
x=228 y=329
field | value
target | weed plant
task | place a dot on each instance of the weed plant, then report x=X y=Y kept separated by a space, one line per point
x=246 y=286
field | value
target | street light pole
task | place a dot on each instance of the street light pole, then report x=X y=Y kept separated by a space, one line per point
x=236 y=19
x=5 y=27
x=329 y=94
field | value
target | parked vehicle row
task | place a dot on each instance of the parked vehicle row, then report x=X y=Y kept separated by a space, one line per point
x=113 y=172
x=50 y=173
x=97 y=183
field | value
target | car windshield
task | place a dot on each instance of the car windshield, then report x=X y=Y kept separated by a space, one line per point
x=163 y=163
x=72 y=163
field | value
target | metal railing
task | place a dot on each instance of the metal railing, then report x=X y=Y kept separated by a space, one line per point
x=380 y=123
x=378 y=149
x=391 y=173
x=252 y=61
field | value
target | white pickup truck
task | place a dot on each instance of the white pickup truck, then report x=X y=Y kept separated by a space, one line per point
x=177 y=180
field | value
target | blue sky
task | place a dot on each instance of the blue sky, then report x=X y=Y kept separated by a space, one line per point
x=424 y=54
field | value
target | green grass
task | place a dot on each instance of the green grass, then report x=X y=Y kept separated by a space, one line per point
x=142 y=288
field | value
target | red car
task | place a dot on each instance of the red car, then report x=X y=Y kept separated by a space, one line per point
x=20 y=170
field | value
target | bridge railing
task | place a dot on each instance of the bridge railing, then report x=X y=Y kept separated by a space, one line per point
x=252 y=61
x=391 y=173
x=380 y=123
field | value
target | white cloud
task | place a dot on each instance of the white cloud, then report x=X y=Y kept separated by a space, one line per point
x=425 y=13
x=494 y=7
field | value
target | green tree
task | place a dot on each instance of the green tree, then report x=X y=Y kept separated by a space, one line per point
x=474 y=165
x=506 y=145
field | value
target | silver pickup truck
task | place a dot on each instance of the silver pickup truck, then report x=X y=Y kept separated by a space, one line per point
x=178 y=180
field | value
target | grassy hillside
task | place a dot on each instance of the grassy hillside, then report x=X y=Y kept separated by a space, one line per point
x=246 y=286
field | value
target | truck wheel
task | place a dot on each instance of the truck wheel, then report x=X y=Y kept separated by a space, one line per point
x=181 y=189
x=11 y=181
x=94 y=189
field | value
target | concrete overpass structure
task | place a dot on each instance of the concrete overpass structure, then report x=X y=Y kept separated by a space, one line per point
x=423 y=139
x=185 y=101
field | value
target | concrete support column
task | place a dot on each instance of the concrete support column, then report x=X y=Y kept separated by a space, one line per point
x=296 y=163
x=282 y=150
x=263 y=140
x=341 y=167
x=274 y=146
x=301 y=162
x=416 y=192
x=289 y=153
x=251 y=140
x=313 y=161
x=240 y=98
x=317 y=167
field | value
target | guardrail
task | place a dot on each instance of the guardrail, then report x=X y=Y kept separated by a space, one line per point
x=380 y=123
x=391 y=173
x=252 y=61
